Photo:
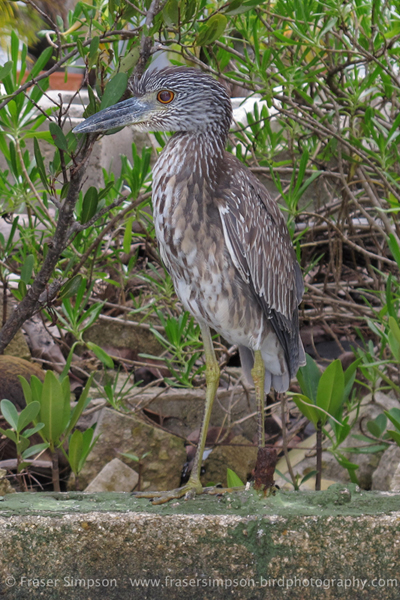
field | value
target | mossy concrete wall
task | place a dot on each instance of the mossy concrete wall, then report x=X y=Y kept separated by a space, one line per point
x=341 y=543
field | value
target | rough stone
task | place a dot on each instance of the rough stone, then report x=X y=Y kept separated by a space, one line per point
x=238 y=455
x=395 y=483
x=10 y=387
x=118 y=335
x=182 y=409
x=115 y=476
x=386 y=476
x=5 y=485
x=162 y=465
x=333 y=544
x=368 y=463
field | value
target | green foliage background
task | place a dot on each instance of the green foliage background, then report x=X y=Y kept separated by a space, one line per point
x=326 y=137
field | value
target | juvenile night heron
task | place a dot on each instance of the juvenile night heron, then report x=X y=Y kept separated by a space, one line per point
x=221 y=236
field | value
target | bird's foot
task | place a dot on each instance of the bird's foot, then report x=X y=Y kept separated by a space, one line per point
x=188 y=492
x=216 y=491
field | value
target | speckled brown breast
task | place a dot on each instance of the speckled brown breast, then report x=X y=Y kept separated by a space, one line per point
x=192 y=246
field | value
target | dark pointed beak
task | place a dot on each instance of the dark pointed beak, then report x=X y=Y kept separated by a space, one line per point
x=124 y=113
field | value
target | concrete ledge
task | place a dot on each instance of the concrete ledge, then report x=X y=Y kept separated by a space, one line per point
x=340 y=543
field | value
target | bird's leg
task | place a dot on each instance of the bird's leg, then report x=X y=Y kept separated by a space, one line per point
x=193 y=486
x=212 y=382
x=258 y=374
x=266 y=457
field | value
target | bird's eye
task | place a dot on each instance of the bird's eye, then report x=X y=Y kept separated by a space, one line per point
x=165 y=96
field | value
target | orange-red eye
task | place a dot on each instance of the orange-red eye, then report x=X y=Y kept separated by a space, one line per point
x=165 y=96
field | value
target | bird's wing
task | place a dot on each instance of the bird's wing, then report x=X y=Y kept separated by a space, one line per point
x=260 y=247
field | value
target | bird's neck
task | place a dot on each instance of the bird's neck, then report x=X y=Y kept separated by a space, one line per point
x=197 y=153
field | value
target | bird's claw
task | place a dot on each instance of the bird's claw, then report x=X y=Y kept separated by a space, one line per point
x=188 y=492
x=216 y=491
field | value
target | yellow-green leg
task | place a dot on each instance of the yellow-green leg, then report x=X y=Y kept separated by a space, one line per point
x=258 y=374
x=212 y=381
x=193 y=486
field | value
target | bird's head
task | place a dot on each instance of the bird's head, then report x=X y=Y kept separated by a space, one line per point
x=171 y=99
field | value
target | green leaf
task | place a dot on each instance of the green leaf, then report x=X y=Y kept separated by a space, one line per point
x=39 y=162
x=211 y=30
x=114 y=90
x=287 y=41
x=80 y=405
x=28 y=432
x=128 y=235
x=93 y=105
x=89 y=205
x=82 y=51
x=58 y=136
x=41 y=62
x=308 y=378
x=28 y=415
x=27 y=268
x=171 y=13
x=75 y=450
x=280 y=474
x=306 y=407
x=394 y=328
x=88 y=443
x=232 y=479
x=237 y=7
x=130 y=456
x=9 y=244
x=344 y=462
x=394 y=416
x=101 y=355
x=371 y=449
x=10 y=413
x=66 y=389
x=14 y=51
x=36 y=387
x=67 y=366
x=22 y=289
x=130 y=59
x=52 y=409
x=377 y=426
x=349 y=377
x=394 y=248
x=70 y=288
x=330 y=389
x=189 y=10
x=26 y=388
x=90 y=316
x=103 y=193
x=22 y=444
x=36 y=449
x=395 y=435
x=6 y=69
x=233 y=6
x=328 y=26
x=307 y=477
x=94 y=46
x=10 y=434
